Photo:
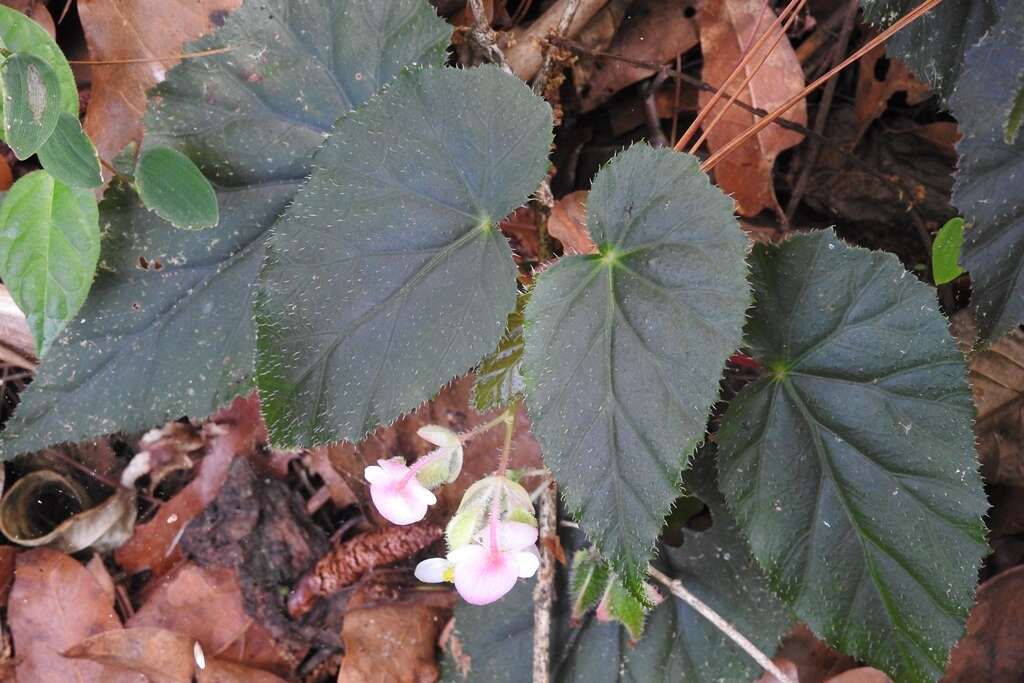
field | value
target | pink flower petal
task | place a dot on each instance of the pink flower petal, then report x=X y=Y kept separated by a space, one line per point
x=395 y=467
x=397 y=505
x=421 y=492
x=513 y=536
x=374 y=473
x=483 y=576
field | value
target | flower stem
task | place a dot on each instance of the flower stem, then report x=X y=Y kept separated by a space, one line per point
x=489 y=425
x=509 y=417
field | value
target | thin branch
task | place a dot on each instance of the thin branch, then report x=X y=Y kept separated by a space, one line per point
x=485 y=37
x=544 y=591
x=148 y=60
x=791 y=8
x=547 y=66
x=676 y=588
x=739 y=140
x=821 y=118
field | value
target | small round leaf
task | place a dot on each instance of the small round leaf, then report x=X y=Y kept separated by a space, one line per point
x=174 y=188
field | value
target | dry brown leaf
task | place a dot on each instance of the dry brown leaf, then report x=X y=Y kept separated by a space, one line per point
x=341 y=494
x=991 y=650
x=785 y=666
x=8 y=555
x=235 y=430
x=726 y=28
x=54 y=604
x=654 y=31
x=815 y=661
x=525 y=51
x=164 y=657
x=17 y=347
x=136 y=29
x=36 y=10
x=205 y=604
x=863 y=674
x=395 y=642
x=997 y=380
x=99 y=572
x=568 y=224
x=878 y=79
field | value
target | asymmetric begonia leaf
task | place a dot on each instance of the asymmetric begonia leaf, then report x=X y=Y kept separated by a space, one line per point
x=49 y=246
x=167 y=330
x=935 y=44
x=678 y=643
x=851 y=467
x=625 y=348
x=389 y=276
x=987 y=190
x=20 y=34
x=31 y=96
x=69 y=155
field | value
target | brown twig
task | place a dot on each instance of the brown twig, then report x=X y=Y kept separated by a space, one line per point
x=148 y=60
x=547 y=66
x=544 y=591
x=484 y=36
x=676 y=588
x=744 y=60
x=739 y=140
x=821 y=118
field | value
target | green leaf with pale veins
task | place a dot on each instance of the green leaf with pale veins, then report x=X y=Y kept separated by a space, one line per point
x=19 y=34
x=49 y=246
x=851 y=468
x=499 y=379
x=678 y=644
x=934 y=45
x=625 y=348
x=173 y=187
x=988 y=189
x=31 y=103
x=70 y=156
x=171 y=333
x=389 y=276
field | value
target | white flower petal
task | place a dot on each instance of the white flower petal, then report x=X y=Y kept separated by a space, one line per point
x=513 y=536
x=432 y=570
x=373 y=473
x=528 y=562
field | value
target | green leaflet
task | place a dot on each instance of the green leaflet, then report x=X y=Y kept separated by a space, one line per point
x=173 y=187
x=31 y=108
x=70 y=156
x=19 y=34
x=678 y=644
x=851 y=468
x=624 y=349
x=171 y=334
x=388 y=276
x=49 y=246
x=499 y=379
x=935 y=44
x=946 y=248
x=987 y=190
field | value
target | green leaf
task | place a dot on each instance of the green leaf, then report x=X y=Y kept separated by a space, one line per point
x=588 y=582
x=50 y=243
x=173 y=335
x=623 y=607
x=935 y=44
x=19 y=34
x=175 y=189
x=678 y=643
x=946 y=251
x=70 y=156
x=499 y=378
x=31 y=103
x=624 y=349
x=404 y=280
x=987 y=189
x=851 y=468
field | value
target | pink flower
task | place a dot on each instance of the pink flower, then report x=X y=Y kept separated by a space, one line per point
x=396 y=493
x=484 y=572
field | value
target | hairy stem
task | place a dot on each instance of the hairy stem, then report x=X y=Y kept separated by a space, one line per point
x=544 y=591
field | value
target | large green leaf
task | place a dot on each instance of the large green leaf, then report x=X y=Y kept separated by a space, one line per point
x=19 y=34
x=389 y=276
x=934 y=45
x=49 y=246
x=678 y=645
x=851 y=467
x=171 y=333
x=624 y=348
x=988 y=190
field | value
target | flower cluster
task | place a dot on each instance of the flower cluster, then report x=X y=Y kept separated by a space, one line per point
x=492 y=539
